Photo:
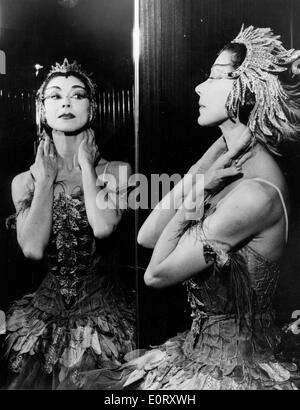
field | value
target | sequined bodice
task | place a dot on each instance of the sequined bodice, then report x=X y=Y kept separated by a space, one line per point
x=71 y=248
x=211 y=292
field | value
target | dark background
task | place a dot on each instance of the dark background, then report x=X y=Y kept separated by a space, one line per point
x=179 y=41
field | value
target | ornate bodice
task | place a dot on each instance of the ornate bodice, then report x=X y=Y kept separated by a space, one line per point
x=71 y=249
x=211 y=292
x=247 y=275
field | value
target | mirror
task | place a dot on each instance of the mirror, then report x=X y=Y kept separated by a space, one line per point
x=33 y=36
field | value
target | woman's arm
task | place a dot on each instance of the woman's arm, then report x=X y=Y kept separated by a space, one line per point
x=34 y=223
x=167 y=207
x=246 y=212
x=102 y=203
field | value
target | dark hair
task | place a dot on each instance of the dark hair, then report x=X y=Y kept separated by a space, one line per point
x=238 y=54
x=80 y=77
x=288 y=130
x=91 y=93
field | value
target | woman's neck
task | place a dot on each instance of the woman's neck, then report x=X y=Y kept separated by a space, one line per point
x=231 y=132
x=67 y=150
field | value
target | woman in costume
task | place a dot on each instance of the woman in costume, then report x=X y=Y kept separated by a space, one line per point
x=80 y=317
x=225 y=245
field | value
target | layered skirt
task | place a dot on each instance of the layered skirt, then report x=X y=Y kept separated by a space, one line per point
x=48 y=340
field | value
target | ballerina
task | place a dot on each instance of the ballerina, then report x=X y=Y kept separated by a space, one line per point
x=80 y=317
x=227 y=256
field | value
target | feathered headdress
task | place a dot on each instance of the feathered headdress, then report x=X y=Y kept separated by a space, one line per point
x=258 y=73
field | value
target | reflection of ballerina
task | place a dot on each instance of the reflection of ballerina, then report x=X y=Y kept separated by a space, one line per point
x=228 y=257
x=80 y=317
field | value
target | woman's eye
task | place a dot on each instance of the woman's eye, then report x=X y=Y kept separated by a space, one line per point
x=52 y=97
x=79 y=96
x=215 y=77
x=210 y=76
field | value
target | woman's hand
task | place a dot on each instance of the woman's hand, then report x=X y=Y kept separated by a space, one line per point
x=229 y=164
x=44 y=170
x=227 y=167
x=88 y=153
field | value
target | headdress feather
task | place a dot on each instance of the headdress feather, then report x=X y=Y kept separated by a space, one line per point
x=265 y=59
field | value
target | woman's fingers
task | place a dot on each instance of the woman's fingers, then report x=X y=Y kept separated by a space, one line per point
x=51 y=150
x=86 y=137
x=40 y=150
x=243 y=159
x=46 y=145
x=91 y=136
x=223 y=161
x=229 y=172
x=227 y=159
x=234 y=154
x=84 y=141
x=241 y=144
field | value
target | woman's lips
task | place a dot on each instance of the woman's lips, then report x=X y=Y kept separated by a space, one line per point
x=67 y=116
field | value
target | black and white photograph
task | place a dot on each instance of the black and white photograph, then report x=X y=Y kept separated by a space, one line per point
x=150 y=213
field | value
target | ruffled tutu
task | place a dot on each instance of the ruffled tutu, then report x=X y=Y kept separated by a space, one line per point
x=46 y=341
x=221 y=356
x=80 y=318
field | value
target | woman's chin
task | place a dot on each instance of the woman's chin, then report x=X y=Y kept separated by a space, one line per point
x=207 y=122
x=67 y=130
x=202 y=122
x=68 y=127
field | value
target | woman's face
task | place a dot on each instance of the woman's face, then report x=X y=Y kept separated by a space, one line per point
x=66 y=104
x=214 y=92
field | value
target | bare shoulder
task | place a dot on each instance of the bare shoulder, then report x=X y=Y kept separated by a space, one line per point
x=251 y=201
x=245 y=212
x=21 y=185
x=252 y=190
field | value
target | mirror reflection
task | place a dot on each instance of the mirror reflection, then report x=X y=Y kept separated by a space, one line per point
x=67 y=148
